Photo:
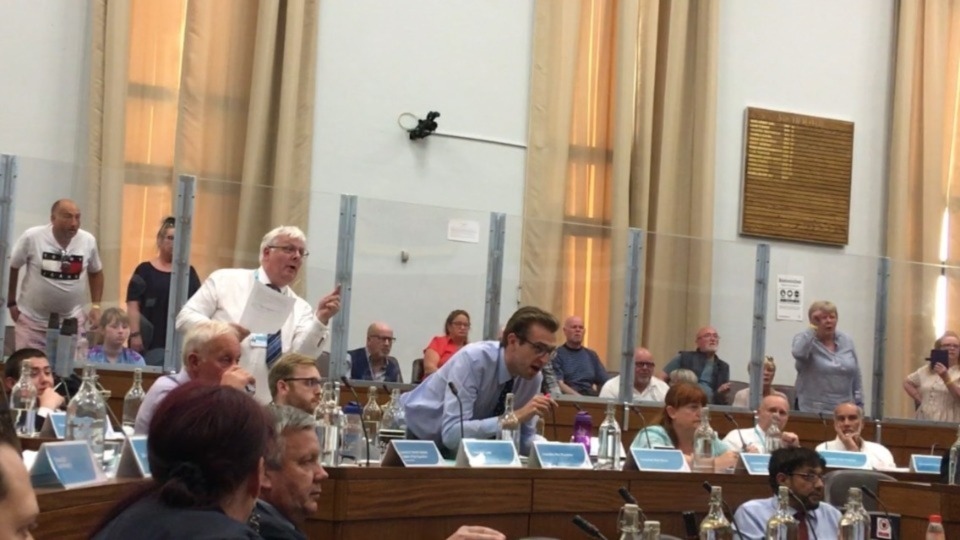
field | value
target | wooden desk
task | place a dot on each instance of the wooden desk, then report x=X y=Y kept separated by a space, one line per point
x=915 y=502
x=69 y=514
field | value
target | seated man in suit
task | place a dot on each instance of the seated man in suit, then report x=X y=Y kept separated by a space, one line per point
x=48 y=400
x=373 y=362
x=848 y=421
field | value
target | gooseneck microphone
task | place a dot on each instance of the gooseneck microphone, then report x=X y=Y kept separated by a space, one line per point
x=826 y=429
x=456 y=394
x=803 y=508
x=630 y=499
x=886 y=513
x=726 y=508
x=588 y=528
x=736 y=426
x=932 y=448
x=643 y=425
x=363 y=425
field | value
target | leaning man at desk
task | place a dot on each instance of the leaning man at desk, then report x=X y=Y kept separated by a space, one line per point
x=484 y=373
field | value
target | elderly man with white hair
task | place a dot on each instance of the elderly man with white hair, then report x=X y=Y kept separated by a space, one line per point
x=224 y=296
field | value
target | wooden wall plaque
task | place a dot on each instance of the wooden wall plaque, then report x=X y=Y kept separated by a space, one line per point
x=796 y=177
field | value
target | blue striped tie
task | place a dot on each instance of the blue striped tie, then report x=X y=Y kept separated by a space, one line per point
x=274 y=344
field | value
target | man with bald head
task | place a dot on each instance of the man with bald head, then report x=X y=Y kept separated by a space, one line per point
x=646 y=387
x=773 y=408
x=373 y=362
x=57 y=257
x=713 y=374
x=578 y=369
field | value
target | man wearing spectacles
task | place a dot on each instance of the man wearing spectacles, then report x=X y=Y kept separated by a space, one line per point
x=295 y=381
x=801 y=470
x=484 y=373
x=578 y=369
x=225 y=294
x=713 y=374
x=373 y=362
x=57 y=257
x=646 y=387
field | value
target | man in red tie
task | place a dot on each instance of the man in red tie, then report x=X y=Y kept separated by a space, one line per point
x=801 y=470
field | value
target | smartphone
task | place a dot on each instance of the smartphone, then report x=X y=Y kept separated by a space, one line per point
x=940 y=356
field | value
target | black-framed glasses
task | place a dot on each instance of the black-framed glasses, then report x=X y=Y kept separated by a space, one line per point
x=388 y=339
x=539 y=348
x=648 y=365
x=290 y=250
x=311 y=382
x=809 y=476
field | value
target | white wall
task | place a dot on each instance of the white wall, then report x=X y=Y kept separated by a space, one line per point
x=821 y=58
x=376 y=59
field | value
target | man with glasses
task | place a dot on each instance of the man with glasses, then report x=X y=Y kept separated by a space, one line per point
x=224 y=296
x=295 y=381
x=646 y=387
x=713 y=374
x=483 y=373
x=57 y=256
x=801 y=470
x=373 y=362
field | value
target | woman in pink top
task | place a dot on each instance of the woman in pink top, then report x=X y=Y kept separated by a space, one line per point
x=441 y=348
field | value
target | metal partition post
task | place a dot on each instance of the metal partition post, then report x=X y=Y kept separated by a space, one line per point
x=8 y=179
x=880 y=336
x=759 y=342
x=631 y=312
x=346 y=237
x=491 y=315
x=180 y=276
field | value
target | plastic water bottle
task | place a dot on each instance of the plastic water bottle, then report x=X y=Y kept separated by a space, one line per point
x=87 y=414
x=23 y=401
x=855 y=523
x=782 y=525
x=935 y=528
x=582 y=429
x=132 y=402
x=508 y=424
x=352 y=442
x=716 y=526
x=703 y=441
x=608 y=455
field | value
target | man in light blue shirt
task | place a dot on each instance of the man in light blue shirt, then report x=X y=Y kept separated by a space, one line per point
x=801 y=470
x=483 y=373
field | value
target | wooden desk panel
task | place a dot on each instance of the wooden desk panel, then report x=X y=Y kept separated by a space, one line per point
x=74 y=513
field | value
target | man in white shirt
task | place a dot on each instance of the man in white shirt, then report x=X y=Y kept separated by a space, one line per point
x=224 y=296
x=646 y=387
x=57 y=257
x=773 y=408
x=848 y=421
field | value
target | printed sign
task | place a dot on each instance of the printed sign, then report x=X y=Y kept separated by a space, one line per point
x=66 y=464
x=55 y=426
x=133 y=458
x=553 y=455
x=666 y=460
x=484 y=453
x=790 y=298
x=924 y=464
x=756 y=464
x=841 y=459
x=401 y=453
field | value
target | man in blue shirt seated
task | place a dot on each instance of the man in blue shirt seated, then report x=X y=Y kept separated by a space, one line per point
x=801 y=470
x=577 y=368
x=483 y=373
x=713 y=374
x=373 y=362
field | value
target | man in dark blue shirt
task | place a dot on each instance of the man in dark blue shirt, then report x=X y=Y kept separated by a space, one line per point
x=577 y=368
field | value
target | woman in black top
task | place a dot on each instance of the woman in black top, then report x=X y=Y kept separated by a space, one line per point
x=148 y=293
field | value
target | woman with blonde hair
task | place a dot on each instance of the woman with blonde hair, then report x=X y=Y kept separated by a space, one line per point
x=742 y=398
x=936 y=388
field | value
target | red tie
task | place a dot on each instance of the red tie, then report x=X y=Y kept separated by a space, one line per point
x=803 y=533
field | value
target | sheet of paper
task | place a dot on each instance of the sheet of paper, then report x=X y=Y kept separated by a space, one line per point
x=266 y=310
x=463 y=230
x=790 y=298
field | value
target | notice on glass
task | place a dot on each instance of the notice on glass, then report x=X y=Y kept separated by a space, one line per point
x=266 y=310
x=463 y=230
x=790 y=298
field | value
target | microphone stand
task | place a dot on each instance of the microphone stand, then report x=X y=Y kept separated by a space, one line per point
x=630 y=499
x=826 y=429
x=456 y=394
x=643 y=424
x=363 y=426
x=874 y=496
x=803 y=508
x=736 y=426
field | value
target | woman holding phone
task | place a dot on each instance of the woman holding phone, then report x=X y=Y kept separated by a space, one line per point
x=935 y=388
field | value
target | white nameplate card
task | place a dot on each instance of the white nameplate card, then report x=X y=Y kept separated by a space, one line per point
x=647 y=459
x=484 y=453
x=554 y=455
x=841 y=459
x=412 y=454
x=66 y=464
x=54 y=426
x=133 y=458
x=924 y=464
x=756 y=464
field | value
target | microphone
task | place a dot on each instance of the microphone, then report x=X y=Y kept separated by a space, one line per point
x=932 y=448
x=803 y=508
x=588 y=528
x=630 y=499
x=553 y=418
x=886 y=513
x=733 y=421
x=363 y=425
x=643 y=424
x=456 y=394
x=577 y=406
x=826 y=429
x=726 y=508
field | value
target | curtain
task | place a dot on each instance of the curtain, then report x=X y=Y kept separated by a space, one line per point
x=924 y=147
x=648 y=163
x=218 y=89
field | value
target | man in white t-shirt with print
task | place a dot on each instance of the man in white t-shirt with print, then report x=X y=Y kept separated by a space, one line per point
x=57 y=257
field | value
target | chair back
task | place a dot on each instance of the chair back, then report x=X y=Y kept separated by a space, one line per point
x=735 y=386
x=837 y=483
x=416 y=372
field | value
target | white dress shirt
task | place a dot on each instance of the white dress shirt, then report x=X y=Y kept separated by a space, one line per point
x=655 y=391
x=877 y=455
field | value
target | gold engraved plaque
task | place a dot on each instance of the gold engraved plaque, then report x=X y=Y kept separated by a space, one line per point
x=796 y=177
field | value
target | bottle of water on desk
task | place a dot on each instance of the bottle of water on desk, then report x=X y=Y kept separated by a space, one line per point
x=508 y=424
x=23 y=401
x=782 y=525
x=87 y=414
x=651 y=530
x=132 y=402
x=703 y=441
x=628 y=523
x=772 y=437
x=716 y=526
x=372 y=417
x=855 y=523
x=608 y=455
x=353 y=444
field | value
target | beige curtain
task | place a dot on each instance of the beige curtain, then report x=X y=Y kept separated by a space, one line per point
x=924 y=152
x=652 y=111
x=214 y=88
